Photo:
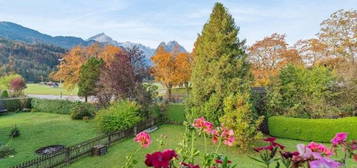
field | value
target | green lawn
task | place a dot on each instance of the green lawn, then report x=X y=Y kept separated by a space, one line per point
x=174 y=133
x=175 y=113
x=41 y=129
x=40 y=89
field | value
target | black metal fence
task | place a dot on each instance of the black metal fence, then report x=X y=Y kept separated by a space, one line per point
x=72 y=153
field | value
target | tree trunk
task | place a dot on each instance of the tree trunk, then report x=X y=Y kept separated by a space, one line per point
x=86 y=98
x=169 y=93
x=187 y=89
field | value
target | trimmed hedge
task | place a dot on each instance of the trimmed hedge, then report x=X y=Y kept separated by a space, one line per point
x=318 y=130
x=16 y=104
x=54 y=106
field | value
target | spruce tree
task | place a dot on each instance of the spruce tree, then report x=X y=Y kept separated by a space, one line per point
x=220 y=68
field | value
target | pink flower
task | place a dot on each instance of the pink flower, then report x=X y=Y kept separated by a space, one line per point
x=304 y=152
x=325 y=163
x=160 y=159
x=215 y=136
x=315 y=147
x=199 y=122
x=143 y=138
x=228 y=136
x=188 y=165
x=202 y=124
x=339 y=138
x=207 y=127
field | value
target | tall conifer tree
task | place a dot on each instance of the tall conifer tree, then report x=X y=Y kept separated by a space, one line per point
x=220 y=68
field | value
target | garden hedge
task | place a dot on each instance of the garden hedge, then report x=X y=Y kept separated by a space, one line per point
x=16 y=104
x=54 y=106
x=318 y=130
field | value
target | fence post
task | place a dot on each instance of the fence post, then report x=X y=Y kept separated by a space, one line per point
x=67 y=156
x=109 y=139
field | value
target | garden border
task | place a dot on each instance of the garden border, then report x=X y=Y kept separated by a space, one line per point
x=73 y=153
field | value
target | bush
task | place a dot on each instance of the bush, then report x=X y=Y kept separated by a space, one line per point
x=119 y=116
x=14 y=132
x=54 y=106
x=240 y=117
x=319 y=130
x=6 y=151
x=82 y=111
x=16 y=104
x=303 y=93
x=4 y=94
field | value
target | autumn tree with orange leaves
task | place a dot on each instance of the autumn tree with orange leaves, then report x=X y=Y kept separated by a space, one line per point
x=171 y=68
x=69 y=68
x=269 y=55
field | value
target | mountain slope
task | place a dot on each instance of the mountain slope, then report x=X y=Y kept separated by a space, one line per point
x=172 y=46
x=17 y=32
x=32 y=61
x=105 y=39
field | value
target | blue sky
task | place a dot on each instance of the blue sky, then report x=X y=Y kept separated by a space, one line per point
x=152 y=21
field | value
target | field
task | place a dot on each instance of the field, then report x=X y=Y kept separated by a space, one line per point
x=39 y=130
x=40 y=89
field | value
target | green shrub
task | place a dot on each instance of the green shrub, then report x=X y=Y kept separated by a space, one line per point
x=119 y=116
x=54 y=106
x=304 y=93
x=4 y=94
x=16 y=104
x=239 y=116
x=320 y=130
x=6 y=151
x=81 y=111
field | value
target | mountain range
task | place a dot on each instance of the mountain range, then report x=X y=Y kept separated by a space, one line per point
x=36 y=54
x=13 y=31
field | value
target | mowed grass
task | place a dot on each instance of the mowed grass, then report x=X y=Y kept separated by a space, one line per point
x=39 y=130
x=175 y=113
x=174 y=133
x=40 y=89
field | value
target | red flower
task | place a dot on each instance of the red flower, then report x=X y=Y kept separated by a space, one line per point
x=274 y=144
x=220 y=161
x=160 y=159
x=270 y=139
x=188 y=165
x=355 y=157
x=270 y=147
x=289 y=155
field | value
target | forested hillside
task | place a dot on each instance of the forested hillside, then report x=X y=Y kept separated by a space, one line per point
x=32 y=61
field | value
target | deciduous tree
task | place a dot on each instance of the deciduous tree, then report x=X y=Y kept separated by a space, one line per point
x=165 y=69
x=269 y=55
x=339 y=32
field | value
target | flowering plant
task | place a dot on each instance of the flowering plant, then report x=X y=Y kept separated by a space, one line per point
x=186 y=154
x=313 y=155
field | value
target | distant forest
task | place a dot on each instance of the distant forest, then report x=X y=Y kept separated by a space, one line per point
x=32 y=61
